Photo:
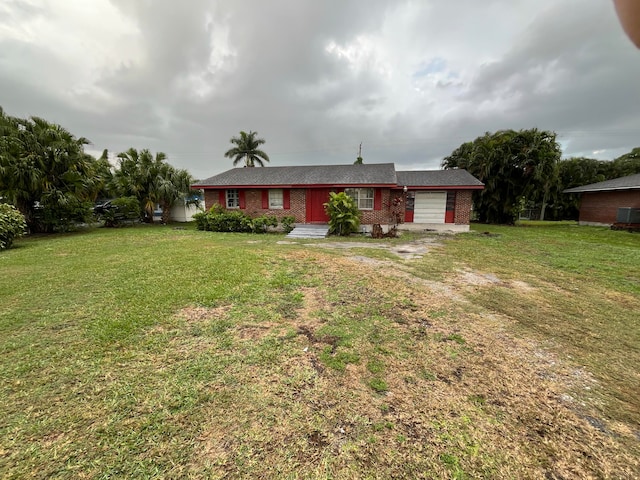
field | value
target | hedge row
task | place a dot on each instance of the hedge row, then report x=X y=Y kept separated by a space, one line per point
x=217 y=219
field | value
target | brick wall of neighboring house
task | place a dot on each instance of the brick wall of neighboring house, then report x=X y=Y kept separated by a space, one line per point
x=463 y=207
x=602 y=207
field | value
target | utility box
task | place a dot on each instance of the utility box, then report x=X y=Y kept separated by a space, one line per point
x=628 y=215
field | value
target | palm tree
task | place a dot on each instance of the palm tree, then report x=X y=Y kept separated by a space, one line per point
x=152 y=181
x=45 y=173
x=136 y=177
x=172 y=186
x=246 y=148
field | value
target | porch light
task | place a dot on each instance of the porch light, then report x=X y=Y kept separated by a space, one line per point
x=404 y=189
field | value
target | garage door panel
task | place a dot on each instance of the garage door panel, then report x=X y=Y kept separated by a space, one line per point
x=430 y=207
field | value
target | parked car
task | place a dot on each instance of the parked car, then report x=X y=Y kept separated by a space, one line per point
x=101 y=207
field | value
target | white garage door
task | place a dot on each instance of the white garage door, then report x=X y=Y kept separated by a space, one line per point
x=430 y=207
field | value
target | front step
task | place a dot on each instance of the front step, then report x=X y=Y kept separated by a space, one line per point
x=309 y=231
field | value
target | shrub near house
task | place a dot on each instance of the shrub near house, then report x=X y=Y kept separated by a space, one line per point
x=344 y=216
x=12 y=225
x=217 y=219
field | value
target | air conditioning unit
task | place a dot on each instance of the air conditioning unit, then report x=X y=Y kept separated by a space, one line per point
x=628 y=215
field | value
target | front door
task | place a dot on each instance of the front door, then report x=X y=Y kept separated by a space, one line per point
x=316 y=198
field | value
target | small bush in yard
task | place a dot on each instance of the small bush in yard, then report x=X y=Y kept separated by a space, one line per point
x=262 y=223
x=12 y=225
x=201 y=220
x=217 y=219
x=288 y=223
x=344 y=216
x=230 y=222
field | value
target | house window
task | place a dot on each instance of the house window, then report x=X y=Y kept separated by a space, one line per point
x=362 y=196
x=276 y=199
x=233 y=198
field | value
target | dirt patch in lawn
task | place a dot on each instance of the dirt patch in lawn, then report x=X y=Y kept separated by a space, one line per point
x=308 y=315
x=392 y=375
x=202 y=314
x=412 y=250
x=255 y=331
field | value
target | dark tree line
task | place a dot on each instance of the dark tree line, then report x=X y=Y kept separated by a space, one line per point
x=46 y=174
x=523 y=169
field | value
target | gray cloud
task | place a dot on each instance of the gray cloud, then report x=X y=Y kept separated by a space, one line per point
x=412 y=80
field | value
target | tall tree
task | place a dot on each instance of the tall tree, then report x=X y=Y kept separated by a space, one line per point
x=627 y=164
x=246 y=148
x=104 y=172
x=574 y=172
x=171 y=187
x=45 y=173
x=151 y=180
x=513 y=165
x=136 y=175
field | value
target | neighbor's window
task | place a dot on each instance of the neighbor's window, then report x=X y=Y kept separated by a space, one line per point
x=233 y=198
x=275 y=198
x=362 y=196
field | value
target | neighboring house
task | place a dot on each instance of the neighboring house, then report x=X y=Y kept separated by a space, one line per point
x=439 y=199
x=600 y=202
x=181 y=212
x=184 y=213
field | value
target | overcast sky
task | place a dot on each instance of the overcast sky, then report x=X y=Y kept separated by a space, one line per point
x=411 y=80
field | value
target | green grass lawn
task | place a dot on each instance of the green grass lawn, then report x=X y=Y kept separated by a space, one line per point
x=153 y=352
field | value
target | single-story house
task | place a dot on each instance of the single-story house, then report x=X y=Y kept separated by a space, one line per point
x=602 y=202
x=439 y=199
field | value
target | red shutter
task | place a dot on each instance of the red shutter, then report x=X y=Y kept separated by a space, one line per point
x=265 y=199
x=241 y=195
x=286 y=199
x=450 y=213
x=222 y=199
x=377 y=199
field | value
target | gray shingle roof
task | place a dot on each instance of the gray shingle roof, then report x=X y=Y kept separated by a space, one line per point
x=631 y=182
x=339 y=175
x=438 y=178
x=368 y=174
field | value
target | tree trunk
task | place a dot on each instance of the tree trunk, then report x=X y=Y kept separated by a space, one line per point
x=166 y=213
x=149 y=211
x=545 y=199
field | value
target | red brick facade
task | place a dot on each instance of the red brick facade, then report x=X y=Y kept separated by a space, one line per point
x=602 y=207
x=252 y=201
x=463 y=207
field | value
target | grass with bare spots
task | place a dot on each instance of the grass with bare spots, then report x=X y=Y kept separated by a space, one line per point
x=150 y=352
